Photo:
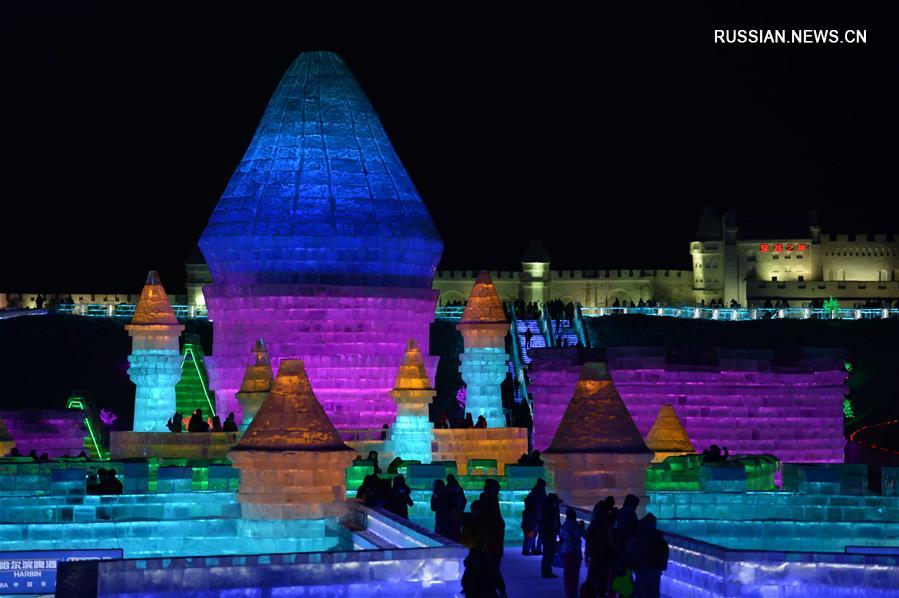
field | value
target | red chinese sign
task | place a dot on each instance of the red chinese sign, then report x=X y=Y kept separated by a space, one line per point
x=783 y=247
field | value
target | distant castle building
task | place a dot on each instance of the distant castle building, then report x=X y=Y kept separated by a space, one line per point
x=753 y=263
x=731 y=260
x=733 y=257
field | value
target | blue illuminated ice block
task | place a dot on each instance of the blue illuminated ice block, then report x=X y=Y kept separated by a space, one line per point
x=321 y=245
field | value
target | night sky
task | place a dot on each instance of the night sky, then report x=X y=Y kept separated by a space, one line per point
x=601 y=133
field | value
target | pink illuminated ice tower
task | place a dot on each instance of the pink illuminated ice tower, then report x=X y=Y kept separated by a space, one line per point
x=321 y=245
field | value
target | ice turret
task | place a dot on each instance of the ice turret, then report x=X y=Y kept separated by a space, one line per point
x=155 y=361
x=484 y=360
x=597 y=449
x=412 y=433
x=292 y=461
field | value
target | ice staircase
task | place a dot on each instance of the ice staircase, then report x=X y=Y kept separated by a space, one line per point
x=537 y=340
x=563 y=330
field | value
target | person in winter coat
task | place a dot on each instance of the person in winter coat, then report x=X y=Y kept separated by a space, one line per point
x=549 y=530
x=570 y=536
x=400 y=500
x=650 y=558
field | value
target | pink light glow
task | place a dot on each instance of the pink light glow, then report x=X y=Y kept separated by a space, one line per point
x=351 y=339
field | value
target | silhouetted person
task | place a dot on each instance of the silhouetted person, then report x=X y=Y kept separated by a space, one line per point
x=495 y=532
x=627 y=515
x=616 y=303
x=482 y=422
x=400 y=499
x=477 y=580
x=623 y=535
x=33 y=454
x=15 y=452
x=528 y=335
x=175 y=423
x=456 y=501
x=570 y=535
x=528 y=529
x=394 y=466
x=106 y=483
x=197 y=423
x=469 y=422
x=713 y=454
x=378 y=493
x=598 y=550
x=549 y=531
x=373 y=458
x=39 y=301
x=650 y=558
x=439 y=507
x=534 y=458
x=367 y=489
x=537 y=497
x=44 y=457
x=230 y=425
x=217 y=424
x=384 y=429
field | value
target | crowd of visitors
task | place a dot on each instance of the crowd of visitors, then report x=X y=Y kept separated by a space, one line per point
x=196 y=423
x=444 y=422
x=379 y=493
x=104 y=482
x=448 y=503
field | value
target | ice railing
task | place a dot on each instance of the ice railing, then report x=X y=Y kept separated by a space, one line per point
x=454 y=313
x=125 y=310
x=747 y=313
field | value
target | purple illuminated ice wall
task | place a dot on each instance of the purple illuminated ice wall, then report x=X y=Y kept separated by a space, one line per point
x=746 y=401
x=321 y=245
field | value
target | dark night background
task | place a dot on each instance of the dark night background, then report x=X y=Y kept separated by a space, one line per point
x=602 y=133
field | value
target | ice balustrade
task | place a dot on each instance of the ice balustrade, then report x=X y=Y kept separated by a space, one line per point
x=747 y=313
x=387 y=556
x=454 y=312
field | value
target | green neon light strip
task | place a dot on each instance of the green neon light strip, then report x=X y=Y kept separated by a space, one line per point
x=90 y=429
x=76 y=403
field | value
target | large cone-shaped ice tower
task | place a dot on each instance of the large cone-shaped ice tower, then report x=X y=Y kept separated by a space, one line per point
x=321 y=245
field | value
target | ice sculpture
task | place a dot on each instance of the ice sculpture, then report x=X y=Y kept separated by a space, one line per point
x=597 y=450
x=292 y=461
x=747 y=402
x=413 y=432
x=321 y=245
x=256 y=385
x=667 y=436
x=484 y=363
x=155 y=359
x=192 y=392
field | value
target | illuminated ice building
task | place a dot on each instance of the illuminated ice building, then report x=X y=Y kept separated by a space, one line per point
x=321 y=245
x=155 y=361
